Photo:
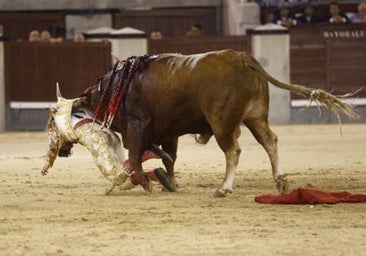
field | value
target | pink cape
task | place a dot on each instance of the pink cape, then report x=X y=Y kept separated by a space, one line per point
x=311 y=196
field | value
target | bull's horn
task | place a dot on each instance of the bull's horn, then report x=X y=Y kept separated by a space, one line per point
x=58 y=92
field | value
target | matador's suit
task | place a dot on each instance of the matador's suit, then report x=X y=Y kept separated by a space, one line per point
x=70 y=124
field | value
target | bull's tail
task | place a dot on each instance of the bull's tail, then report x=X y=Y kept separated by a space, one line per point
x=321 y=97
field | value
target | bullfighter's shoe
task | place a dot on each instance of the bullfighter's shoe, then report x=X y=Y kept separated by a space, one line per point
x=127 y=185
x=164 y=179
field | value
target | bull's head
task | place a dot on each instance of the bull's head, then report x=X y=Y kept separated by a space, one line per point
x=96 y=98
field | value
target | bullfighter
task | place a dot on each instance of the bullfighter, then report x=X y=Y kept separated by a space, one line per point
x=69 y=123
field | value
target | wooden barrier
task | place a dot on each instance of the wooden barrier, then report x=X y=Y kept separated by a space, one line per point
x=323 y=30
x=331 y=57
x=308 y=62
x=32 y=69
x=346 y=64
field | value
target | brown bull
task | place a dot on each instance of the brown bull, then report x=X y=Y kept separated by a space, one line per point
x=160 y=98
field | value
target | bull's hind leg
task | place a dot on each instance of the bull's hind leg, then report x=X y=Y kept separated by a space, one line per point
x=229 y=144
x=264 y=135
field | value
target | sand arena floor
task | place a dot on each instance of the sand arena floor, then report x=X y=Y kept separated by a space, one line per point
x=67 y=213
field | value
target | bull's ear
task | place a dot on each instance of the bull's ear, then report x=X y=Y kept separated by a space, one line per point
x=58 y=92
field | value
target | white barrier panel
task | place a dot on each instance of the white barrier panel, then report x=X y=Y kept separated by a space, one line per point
x=128 y=42
x=271 y=47
x=240 y=15
x=2 y=86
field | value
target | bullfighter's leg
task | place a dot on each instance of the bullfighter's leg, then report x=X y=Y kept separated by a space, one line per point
x=99 y=142
x=170 y=147
x=264 y=136
x=229 y=144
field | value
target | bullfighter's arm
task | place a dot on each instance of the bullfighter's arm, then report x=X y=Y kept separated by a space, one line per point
x=54 y=145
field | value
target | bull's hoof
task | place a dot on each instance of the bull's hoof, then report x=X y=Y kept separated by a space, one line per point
x=222 y=193
x=165 y=180
x=282 y=184
x=147 y=186
x=176 y=184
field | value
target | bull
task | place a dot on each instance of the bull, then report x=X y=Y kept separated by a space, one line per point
x=155 y=99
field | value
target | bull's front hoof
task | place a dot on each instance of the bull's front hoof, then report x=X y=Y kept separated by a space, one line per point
x=165 y=180
x=175 y=190
x=282 y=184
x=222 y=193
x=147 y=185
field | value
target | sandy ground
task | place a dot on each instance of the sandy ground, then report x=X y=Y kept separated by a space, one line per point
x=67 y=213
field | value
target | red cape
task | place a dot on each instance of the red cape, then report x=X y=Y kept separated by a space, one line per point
x=311 y=196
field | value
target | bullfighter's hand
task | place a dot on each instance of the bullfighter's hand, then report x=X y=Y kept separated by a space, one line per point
x=44 y=170
x=110 y=189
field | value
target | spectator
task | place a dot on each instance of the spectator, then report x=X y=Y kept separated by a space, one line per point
x=34 y=36
x=335 y=15
x=156 y=35
x=284 y=18
x=309 y=16
x=360 y=16
x=79 y=37
x=196 y=30
x=46 y=37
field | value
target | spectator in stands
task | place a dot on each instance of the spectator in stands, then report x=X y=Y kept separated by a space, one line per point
x=79 y=37
x=335 y=15
x=34 y=36
x=196 y=30
x=156 y=35
x=309 y=16
x=46 y=37
x=283 y=17
x=360 y=16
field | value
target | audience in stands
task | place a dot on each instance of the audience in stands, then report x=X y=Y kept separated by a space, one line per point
x=284 y=18
x=195 y=31
x=336 y=16
x=34 y=36
x=309 y=16
x=79 y=37
x=45 y=36
x=156 y=35
x=360 y=16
